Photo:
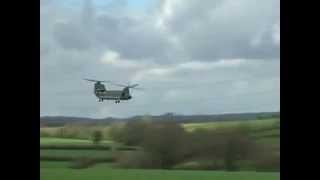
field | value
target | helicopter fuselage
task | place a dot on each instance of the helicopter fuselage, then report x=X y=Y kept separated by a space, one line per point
x=112 y=95
x=117 y=95
x=102 y=93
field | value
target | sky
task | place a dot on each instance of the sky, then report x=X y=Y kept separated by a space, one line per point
x=190 y=56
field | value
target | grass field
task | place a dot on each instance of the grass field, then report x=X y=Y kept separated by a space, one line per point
x=82 y=132
x=50 y=140
x=253 y=124
x=54 y=164
x=85 y=133
x=76 y=153
x=266 y=132
x=59 y=170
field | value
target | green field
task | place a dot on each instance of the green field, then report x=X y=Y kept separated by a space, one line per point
x=53 y=171
x=50 y=141
x=82 y=132
x=75 y=153
x=266 y=132
x=253 y=124
x=54 y=164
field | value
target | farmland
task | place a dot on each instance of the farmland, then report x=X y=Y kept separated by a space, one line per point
x=81 y=134
x=60 y=170
x=47 y=141
x=75 y=153
x=254 y=124
x=56 y=162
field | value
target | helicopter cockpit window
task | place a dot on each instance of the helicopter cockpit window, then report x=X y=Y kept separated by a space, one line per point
x=100 y=88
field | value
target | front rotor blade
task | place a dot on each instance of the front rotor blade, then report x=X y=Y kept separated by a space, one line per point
x=92 y=80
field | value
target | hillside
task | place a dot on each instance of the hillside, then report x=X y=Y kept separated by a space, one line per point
x=62 y=120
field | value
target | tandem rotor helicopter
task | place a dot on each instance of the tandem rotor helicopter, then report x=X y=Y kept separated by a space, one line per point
x=103 y=94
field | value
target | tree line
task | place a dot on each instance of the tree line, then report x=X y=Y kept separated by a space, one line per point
x=167 y=145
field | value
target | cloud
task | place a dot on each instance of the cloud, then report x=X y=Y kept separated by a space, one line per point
x=185 y=69
x=215 y=29
x=276 y=34
x=71 y=36
x=207 y=56
x=112 y=58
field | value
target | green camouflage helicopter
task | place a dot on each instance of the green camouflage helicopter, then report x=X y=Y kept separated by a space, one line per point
x=102 y=93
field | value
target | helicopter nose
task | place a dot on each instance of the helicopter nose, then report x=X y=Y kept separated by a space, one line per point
x=130 y=97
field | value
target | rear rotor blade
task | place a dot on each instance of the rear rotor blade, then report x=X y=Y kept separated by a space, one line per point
x=116 y=84
x=138 y=89
x=133 y=86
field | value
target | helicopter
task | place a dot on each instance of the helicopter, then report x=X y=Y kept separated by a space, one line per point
x=102 y=93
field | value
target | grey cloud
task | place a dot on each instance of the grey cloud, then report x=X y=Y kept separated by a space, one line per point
x=131 y=38
x=71 y=36
x=73 y=42
x=223 y=29
x=88 y=13
x=45 y=2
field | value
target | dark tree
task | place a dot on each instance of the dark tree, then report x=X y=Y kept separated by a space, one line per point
x=165 y=141
x=96 y=136
x=133 y=132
